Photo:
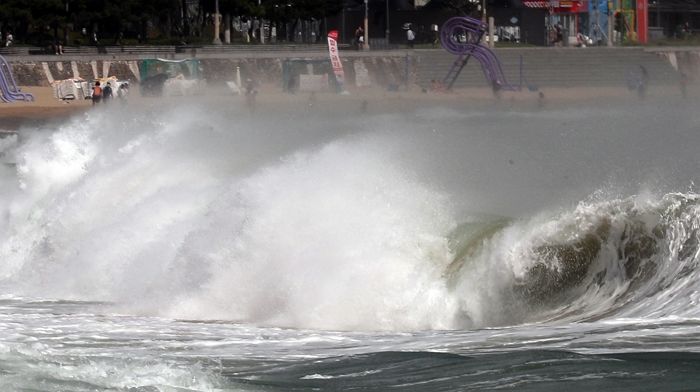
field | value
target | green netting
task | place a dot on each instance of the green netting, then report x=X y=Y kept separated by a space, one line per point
x=292 y=68
x=188 y=68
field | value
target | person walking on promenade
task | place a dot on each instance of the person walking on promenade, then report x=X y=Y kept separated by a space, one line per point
x=559 y=38
x=410 y=37
x=360 y=38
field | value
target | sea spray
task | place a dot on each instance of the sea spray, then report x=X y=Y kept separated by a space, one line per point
x=507 y=228
x=186 y=214
x=163 y=222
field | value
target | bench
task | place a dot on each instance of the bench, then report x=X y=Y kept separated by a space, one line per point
x=14 y=51
x=251 y=48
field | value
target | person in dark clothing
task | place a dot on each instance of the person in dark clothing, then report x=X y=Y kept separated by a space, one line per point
x=96 y=93
x=643 y=82
x=559 y=37
x=360 y=38
x=684 y=80
x=107 y=93
x=250 y=93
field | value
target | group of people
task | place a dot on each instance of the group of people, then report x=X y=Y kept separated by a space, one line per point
x=410 y=37
x=105 y=94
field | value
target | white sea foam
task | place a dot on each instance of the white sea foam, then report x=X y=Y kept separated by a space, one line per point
x=183 y=214
x=162 y=216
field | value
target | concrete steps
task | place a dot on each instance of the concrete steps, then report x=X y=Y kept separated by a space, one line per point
x=553 y=67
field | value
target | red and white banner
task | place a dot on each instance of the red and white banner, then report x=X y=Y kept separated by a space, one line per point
x=643 y=21
x=556 y=6
x=335 y=58
x=536 y=4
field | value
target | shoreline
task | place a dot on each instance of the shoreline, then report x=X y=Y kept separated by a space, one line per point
x=46 y=108
x=43 y=109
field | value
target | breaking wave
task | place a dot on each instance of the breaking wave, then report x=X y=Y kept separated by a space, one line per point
x=631 y=257
x=188 y=216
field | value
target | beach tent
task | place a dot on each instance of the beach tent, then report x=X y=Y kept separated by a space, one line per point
x=188 y=68
x=71 y=89
x=170 y=77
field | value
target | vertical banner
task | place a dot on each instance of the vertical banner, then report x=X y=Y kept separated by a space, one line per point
x=598 y=28
x=643 y=21
x=335 y=59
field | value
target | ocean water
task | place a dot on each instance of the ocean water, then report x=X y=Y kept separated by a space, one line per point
x=198 y=247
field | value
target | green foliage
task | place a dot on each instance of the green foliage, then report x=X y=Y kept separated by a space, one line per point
x=462 y=7
x=121 y=21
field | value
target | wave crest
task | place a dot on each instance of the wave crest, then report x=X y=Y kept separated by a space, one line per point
x=623 y=257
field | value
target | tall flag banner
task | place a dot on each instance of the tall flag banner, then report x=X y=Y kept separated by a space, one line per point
x=643 y=21
x=598 y=27
x=335 y=58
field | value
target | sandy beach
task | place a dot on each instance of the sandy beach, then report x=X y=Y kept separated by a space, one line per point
x=45 y=107
x=363 y=100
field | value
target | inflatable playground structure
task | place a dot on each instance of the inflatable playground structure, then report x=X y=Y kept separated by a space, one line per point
x=462 y=36
x=9 y=92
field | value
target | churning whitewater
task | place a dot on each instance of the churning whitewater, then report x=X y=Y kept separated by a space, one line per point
x=207 y=248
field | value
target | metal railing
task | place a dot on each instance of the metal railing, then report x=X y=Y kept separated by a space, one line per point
x=163 y=49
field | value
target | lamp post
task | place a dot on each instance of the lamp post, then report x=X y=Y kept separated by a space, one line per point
x=611 y=21
x=65 y=26
x=387 y=23
x=217 y=40
x=262 y=26
x=366 y=45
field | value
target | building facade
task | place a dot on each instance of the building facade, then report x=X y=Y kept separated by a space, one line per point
x=532 y=22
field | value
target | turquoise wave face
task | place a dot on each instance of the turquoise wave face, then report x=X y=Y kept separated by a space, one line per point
x=605 y=258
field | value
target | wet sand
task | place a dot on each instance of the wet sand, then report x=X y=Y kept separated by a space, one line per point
x=360 y=100
x=44 y=108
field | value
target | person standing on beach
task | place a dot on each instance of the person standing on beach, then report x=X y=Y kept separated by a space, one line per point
x=107 y=93
x=123 y=92
x=644 y=81
x=684 y=79
x=96 y=93
x=250 y=94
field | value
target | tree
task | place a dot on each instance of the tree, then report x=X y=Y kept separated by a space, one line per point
x=39 y=21
x=462 y=7
x=242 y=8
x=15 y=17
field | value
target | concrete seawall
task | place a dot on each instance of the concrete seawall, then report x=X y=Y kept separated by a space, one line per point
x=560 y=67
x=381 y=68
